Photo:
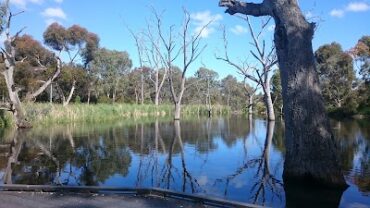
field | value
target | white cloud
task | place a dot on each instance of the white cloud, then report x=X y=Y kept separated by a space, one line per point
x=203 y=18
x=358 y=7
x=23 y=3
x=239 y=30
x=337 y=13
x=351 y=7
x=54 y=13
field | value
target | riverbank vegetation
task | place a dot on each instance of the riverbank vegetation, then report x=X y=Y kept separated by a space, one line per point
x=43 y=114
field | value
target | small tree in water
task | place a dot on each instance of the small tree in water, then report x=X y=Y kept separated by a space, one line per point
x=311 y=148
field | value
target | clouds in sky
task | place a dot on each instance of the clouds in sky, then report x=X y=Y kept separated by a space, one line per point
x=23 y=3
x=203 y=18
x=53 y=15
x=351 y=7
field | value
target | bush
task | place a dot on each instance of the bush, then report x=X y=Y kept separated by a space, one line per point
x=78 y=99
x=104 y=99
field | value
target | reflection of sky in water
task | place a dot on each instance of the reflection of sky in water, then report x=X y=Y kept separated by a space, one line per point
x=223 y=158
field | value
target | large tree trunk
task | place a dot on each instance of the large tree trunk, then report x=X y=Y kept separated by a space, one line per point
x=311 y=149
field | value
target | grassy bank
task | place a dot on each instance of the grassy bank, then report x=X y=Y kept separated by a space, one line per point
x=45 y=113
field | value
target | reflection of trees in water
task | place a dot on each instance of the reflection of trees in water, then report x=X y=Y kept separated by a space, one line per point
x=169 y=173
x=58 y=158
x=264 y=180
x=354 y=142
x=14 y=151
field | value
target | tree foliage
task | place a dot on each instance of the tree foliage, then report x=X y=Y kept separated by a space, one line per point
x=337 y=77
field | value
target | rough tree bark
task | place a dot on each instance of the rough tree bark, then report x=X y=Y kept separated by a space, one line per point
x=311 y=148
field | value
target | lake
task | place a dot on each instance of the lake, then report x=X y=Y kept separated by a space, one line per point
x=228 y=157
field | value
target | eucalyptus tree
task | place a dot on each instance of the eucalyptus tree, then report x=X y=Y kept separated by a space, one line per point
x=77 y=42
x=337 y=76
x=110 y=66
x=311 y=149
x=38 y=60
x=361 y=54
x=208 y=81
x=232 y=92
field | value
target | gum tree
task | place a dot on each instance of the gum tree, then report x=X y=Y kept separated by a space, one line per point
x=311 y=148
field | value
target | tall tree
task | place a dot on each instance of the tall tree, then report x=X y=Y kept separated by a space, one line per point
x=76 y=42
x=153 y=57
x=311 y=149
x=110 y=66
x=208 y=79
x=38 y=59
x=337 y=77
x=190 y=50
x=362 y=54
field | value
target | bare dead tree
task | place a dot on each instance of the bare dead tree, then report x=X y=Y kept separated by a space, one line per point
x=266 y=59
x=154 y=58
x=190 y=51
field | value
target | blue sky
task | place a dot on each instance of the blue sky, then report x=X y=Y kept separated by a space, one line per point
x=343 y=21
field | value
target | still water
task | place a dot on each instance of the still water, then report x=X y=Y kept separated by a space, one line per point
x=229 y=158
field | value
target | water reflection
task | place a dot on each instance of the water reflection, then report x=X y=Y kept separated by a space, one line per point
x=233 y=158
